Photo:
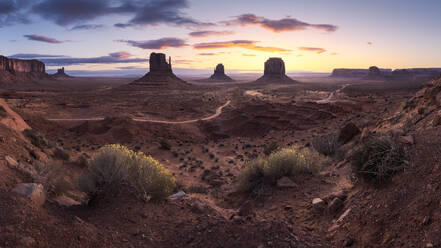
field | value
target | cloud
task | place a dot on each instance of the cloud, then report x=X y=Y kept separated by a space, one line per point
x=36 y=37
x=10 y=12
x=34 y=56
x=112 y=58
x=334 y=54
x=86 y=27
x=247 y=44
x=151 y=12
x=207 y=54
x=157 y=44
x=248 y=55
x=313 y=49
x=209 y=33
x=277 y=26
x=369 y=43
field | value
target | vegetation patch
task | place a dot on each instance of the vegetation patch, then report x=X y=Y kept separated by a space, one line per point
x=377 y=159
x=326 y=144
x=286 y=162
x=115 y=166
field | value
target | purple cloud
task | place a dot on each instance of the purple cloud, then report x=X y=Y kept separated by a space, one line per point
x=313 y=49
x=41 y=38
x=209 y=33
x=157 y=44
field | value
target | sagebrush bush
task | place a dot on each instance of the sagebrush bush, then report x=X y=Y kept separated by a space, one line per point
x=326 y=144
x=286 y=162
x=270 y=148
x=36 y=139
x=115 y=166
x=378 y=158
x=62 y=155
x=52 y=176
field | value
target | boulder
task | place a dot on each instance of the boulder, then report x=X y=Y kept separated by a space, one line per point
x=11 y=161
x=34 y=192
x=179 y=195
x=160 y=73
x=219 y=74
x=348 y=132
x=274 y=72
x=66 y=201
x=335 y=206
x=407 y=140
x=364 y=134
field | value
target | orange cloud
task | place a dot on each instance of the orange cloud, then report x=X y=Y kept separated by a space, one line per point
x=246 y=44
x=313 y=49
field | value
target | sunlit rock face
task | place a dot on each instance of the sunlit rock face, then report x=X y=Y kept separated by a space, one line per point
x=219 y=74
x=19 y=65
x=274 y=72
x=160 y=73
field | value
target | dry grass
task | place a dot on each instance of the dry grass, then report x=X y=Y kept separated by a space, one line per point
x=326 y=144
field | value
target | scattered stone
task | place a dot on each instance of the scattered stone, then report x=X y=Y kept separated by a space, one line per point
x=35 y=192
x=407 y=140
x=27 y=242
x=348 y=132
x=11 y=162
x=66 y=201
x=396 y=132
x=318 y=205
x=343 y=216
x=179 y=195
x=285 y=182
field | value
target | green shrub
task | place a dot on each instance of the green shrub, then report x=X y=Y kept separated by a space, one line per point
x=378 y=158
x=326 y=144
x=286 y=162
x=115 y=165
x=270 y=148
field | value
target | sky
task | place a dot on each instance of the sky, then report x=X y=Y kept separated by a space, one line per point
x=115 y=37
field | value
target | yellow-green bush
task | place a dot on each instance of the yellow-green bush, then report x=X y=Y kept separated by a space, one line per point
x=115 y=165
x=286 y=162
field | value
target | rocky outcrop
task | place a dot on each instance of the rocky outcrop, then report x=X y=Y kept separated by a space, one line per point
x=219 y=74
x=360 y=73
x=160 y=73
x=378 y=73
x=275 y=72
x=12 y=70
x=61 y=74
x=417 y=73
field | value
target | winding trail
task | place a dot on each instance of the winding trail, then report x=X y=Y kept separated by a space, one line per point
x=329 y=98
x=215 y=115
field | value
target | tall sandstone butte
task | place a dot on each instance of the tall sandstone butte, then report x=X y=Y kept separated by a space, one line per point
x=219 y=74
x=160 y=73
x=13 y=70
x=275 y=72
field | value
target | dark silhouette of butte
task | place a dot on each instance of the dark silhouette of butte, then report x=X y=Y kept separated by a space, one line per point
x=160 y=73
x=219 y=75
x=19 y=70
x=275 y=72
x=61 y=74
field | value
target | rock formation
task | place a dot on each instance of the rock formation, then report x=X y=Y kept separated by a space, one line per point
x=160 y=73
x=360 y=73
x=219 y=75
x=274 y=72
x=12 y=70
x=61 y=74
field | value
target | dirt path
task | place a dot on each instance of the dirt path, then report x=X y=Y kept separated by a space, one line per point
x=215 y=115
x=329 y=98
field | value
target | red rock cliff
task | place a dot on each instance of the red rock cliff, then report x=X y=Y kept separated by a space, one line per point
x=19 y=65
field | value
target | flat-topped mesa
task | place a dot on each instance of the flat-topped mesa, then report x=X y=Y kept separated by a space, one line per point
x=160 y=73
x=219 y=74
x=275 y=72
x=15 y=70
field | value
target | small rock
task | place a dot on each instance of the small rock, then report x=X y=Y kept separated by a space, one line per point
x=285 y=182
x=343 y=216
x=11 y=161
x=66 y=201
x=436 y=120
x=364 y=134
x=35 y=192
x=179 y=195
x=396 y=132
x=27 y=242
x=333 y=227
x=429 y=245
x=408 y=140
x=318 y=205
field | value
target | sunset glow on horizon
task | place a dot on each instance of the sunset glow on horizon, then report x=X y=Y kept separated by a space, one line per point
x=315 y=36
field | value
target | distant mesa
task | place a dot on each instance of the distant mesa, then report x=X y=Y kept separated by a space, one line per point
x=18 y=70
x=61 y=74
x=275 y=72
x=378 y=73
x=160 y=73
x=219 y=75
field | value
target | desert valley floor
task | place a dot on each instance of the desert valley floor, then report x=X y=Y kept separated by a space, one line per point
x=204 y=134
